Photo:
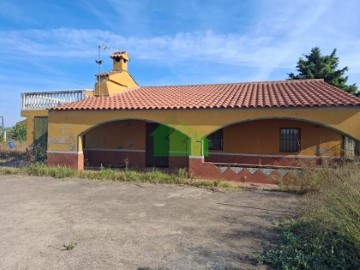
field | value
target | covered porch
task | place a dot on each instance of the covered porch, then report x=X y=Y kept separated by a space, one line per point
x=279 y=142
x=249 y=149
x=136 y=144
x=264 y=150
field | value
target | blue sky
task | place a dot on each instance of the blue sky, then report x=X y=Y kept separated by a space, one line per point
x=52 y=45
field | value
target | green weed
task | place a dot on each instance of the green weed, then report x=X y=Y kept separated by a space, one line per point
x=183 y=173
x=326 y=234
x=70 y=246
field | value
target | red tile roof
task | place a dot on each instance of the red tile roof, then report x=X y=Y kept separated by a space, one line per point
x=276 y=94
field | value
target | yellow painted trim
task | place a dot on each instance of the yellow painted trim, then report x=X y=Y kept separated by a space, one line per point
x=281 y=118
x=266 y=155
x=65 y=152
x=115 y=150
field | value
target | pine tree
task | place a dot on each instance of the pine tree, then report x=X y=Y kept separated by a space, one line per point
x=318 y=66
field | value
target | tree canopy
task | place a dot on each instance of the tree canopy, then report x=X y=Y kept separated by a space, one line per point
x=18 y=132
x=318 y=66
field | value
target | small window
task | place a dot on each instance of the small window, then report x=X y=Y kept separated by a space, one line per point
x=216 y=140
x=290 y=140
x=349 y=147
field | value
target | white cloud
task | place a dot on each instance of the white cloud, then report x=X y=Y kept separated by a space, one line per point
x=282 y=31
x=229 y=49
x=277 y=34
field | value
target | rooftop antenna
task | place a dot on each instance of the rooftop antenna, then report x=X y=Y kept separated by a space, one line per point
x=99 y=62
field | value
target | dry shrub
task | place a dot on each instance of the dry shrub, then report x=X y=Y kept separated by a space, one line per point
x=326 y=235
x=16 y=153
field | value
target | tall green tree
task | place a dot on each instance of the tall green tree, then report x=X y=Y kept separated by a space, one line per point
x=18 y=132
x=318 y=66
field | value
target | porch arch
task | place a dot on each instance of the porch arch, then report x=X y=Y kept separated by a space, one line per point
x=151 y=120
x=258 y=141
x=284 y=118
x=134 y=142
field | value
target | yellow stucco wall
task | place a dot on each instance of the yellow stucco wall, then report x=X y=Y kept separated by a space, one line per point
x=30 y=114
x=115 y=83
x=117 y=135
x=65 y=127
x=263 y=137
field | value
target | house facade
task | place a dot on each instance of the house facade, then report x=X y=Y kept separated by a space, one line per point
x=251 y=132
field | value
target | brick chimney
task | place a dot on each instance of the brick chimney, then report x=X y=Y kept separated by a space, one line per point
x=120 y=60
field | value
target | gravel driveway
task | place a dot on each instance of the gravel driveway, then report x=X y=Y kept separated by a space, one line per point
x=127 y=226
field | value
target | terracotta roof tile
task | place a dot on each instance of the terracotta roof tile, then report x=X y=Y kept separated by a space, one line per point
x=278 y=94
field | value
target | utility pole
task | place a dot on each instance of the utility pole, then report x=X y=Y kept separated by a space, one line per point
x=2 y=122
x=2 y=128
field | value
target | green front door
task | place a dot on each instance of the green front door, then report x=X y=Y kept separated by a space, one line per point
x=40 y=138
x=157 y=145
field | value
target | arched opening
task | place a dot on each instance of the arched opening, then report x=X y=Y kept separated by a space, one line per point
x=135 y=143
x=285 y=142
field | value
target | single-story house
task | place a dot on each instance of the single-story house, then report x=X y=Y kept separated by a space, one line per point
x=247 y=131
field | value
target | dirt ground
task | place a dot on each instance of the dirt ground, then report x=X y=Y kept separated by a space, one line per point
x=128 y=226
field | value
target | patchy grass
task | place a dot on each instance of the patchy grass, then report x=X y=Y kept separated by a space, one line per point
x=326 y=234
x=70 y=246
x=153 y=176
x=8 y=170
x=307 y=245
x=307 y=180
